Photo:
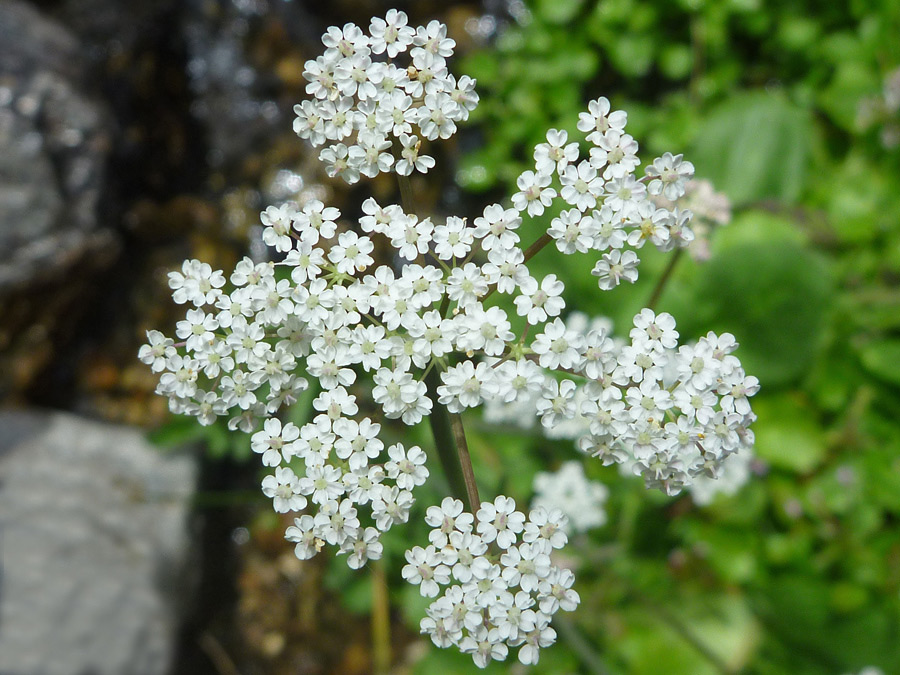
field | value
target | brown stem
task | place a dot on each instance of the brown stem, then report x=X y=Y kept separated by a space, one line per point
x=540 y=243
x=462 y=451
x=444 y=431
x=664 y=279
x=447 y=428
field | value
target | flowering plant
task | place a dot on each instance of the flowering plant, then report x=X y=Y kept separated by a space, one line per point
x=423 y=328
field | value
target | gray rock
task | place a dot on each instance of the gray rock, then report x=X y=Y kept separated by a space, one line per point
x=54 y=140
x=94 y=547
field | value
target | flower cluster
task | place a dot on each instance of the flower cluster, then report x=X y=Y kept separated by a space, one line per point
x=434 y=327
x=570 y=491
x=495 y=584
x=365 y=105
x=733 y=475
x=669 y=413
x=710 y=210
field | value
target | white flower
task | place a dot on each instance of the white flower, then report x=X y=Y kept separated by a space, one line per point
x=666 y=413
x=534 y=193
x=277 y=221
x=447 y=518
x=599 y=119
x=557 y=346
x=322 y=483
x=573 y=231
x=157 y=350
x=411 y=158
x=274 y=441
x=406 y=467
x=284 y=489
x=657 y=329
x=557 y=402
x=669 y=175
x=391 y=35
x=466 y=284
x=364 y=546
x=466 y=385
x=617 y=152
x=453 y=239
x=351 y=253
x=615 y=266
x=425 y=569
x=487 y=331
x=390 y=505
x=496 y=228
x=537 y=303
x=581 y=185
x=500 y=521
x=555 y=154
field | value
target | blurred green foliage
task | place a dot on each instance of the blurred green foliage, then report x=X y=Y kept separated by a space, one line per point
x=800 y=571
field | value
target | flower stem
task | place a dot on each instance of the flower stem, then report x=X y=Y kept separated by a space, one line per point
x=406 y=195
x=664 y=279
x=465 y=461
x=539 y=244
x=450 y=441
x=381 y=620
x=447 y=427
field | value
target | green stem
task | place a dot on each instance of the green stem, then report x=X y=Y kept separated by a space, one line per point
x=381 y=620
x=406 y=195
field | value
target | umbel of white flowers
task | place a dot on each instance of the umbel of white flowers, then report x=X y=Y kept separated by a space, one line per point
x=247 y=349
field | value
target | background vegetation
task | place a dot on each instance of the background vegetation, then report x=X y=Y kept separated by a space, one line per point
x=782 y=105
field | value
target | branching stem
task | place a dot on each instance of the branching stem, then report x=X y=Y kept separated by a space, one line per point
x=447 y=427
x=452 y=449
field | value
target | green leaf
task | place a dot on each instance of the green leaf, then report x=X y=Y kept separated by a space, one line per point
x=632 y=55
x=787 y=434
x=881 y=358
x=675 y=61
x=558 y=11
x=773 y=297
x=412 y=606
x=755 y=146
x=354 y=586
x=179 y=430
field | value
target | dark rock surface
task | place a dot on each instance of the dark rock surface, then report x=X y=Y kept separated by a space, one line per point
x=94 y=547
x=54 y=139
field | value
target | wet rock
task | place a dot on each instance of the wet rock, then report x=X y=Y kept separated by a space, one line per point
x=95 y=550
x=54 y=140
x=232 y=96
